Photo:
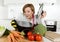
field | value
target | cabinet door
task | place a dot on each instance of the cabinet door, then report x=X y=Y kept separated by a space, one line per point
x=1 y=2
x=10 y=2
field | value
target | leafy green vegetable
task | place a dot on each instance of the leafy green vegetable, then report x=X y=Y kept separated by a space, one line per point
x=40 y=29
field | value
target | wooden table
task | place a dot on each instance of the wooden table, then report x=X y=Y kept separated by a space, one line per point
x=4 y=39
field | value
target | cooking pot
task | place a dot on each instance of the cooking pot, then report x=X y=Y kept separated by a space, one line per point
x=24 y=26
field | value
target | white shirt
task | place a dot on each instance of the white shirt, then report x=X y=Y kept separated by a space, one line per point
x=23 y=21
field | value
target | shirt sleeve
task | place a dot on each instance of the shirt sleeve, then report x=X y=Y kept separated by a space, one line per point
x=22 y=21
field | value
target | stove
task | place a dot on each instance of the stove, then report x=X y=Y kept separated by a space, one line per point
x=51 y=25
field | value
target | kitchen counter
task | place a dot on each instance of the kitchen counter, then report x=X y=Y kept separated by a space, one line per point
x=4 y=39
x=46 y=40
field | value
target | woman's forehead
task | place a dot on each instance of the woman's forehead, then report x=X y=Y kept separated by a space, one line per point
x=28 y=9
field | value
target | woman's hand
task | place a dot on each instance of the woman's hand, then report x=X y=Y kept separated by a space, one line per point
x=14 y=36
x=43 y=14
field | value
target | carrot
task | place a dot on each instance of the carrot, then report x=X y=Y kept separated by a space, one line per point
x=17 y=39
x=16 y=32
x=12 y=37
x=17 y=36
x=9 y=38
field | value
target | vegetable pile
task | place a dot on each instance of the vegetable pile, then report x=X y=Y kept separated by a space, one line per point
x=34 y=37
x=15 y=36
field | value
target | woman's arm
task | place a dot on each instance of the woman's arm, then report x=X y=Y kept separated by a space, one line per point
x=41 y=18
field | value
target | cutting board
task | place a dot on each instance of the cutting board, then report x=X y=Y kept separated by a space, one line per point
x=55 y=37
x=4 y=39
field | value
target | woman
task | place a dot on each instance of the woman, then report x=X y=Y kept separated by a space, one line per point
x=28 y=12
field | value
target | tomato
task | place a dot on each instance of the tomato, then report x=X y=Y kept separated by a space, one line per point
x=31 y=37
x=29 y=33
x=38 y=38
x=35 y=35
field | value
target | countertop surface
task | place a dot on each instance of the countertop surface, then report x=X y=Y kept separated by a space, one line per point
x=46 y=40
x=3 y=39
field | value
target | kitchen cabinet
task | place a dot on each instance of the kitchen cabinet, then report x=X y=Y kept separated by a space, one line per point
x=16 y=2
x=27 y=1
x=7 y=2
x=1 y=2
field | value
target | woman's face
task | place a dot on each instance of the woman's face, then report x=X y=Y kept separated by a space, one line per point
x=28 y=13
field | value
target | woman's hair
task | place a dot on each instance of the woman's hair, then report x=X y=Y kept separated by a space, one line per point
x=29 y=5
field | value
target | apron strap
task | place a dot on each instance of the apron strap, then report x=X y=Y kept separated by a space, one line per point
x=33 y=22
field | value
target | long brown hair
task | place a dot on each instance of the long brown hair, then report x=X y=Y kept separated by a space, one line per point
x=29 y=5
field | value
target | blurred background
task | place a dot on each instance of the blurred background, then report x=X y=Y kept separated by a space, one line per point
x=10 y=9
